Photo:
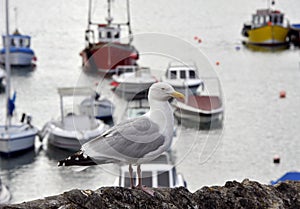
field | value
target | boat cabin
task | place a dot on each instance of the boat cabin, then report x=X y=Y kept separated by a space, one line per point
x=267 y=16
x=18 y=41
x=158 y=173
x=126 y=69
x=181 y=72
x=109 y=33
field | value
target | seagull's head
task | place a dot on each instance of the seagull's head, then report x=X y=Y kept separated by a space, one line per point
x=163 y=92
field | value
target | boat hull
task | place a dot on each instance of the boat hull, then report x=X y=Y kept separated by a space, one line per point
x=200 y=111
x=131 y=91
x=105 y=57
x=269 y=35
x=18 y=139
x=18 y=58
x=72 y=139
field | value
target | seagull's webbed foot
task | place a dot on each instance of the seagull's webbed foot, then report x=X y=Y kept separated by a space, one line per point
x=140 y=185
x=145 y=189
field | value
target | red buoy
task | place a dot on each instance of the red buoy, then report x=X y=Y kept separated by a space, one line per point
x=199 y=40
x=217 y=63
x=196 y=38
x=282 y=94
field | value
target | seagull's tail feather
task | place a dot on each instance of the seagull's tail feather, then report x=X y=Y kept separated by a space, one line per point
x=78 y=159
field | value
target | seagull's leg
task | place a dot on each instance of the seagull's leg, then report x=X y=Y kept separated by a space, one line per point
x=131 y=176
x=140 y=185
x=139 y=173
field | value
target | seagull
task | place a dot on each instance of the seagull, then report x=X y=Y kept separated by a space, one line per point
x=133 y=141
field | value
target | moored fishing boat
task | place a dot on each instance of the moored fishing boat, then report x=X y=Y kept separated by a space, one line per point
x=180 y=76
x=203 y=109
x=105 y=50
x=74 y=127
x=160 y=172
x=132 y=82
x=20 y=137
x=268 y=28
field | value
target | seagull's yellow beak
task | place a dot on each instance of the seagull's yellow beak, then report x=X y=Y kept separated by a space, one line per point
x=177 y=95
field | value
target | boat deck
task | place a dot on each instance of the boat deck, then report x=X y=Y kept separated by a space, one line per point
x=206 y=103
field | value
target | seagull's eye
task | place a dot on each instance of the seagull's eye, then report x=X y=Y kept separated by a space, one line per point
x=163 y=89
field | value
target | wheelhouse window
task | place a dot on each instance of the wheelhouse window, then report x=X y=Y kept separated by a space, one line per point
x=173 y=74
x=183 y=74
x=147 y=178
x=192 y=74
x=163 y=179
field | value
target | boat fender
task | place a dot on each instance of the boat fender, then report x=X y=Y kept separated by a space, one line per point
x=23 y=117
x=28 y=119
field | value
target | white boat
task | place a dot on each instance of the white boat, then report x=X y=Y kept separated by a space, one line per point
x=180 y=76
x=101 y=106
x=132 y=82
x=4 y=194
x=14 y=138
x=158 y=173
x=205 y=108
x=75 y=127
x=2 y=85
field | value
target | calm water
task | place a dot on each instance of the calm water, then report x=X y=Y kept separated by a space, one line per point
x=258 y=124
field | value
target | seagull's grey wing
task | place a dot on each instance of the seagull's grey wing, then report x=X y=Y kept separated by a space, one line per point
x=131 y=139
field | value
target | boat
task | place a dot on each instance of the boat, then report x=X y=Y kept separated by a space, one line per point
x=157 y=173
x=180 y=76
x=102 y=107
x=289 y=176
x=4 y=194
x=74 y=127
x=203 y=109
x=268 y=28
x=2 y=85
x=132 y=109
x=132 y=82
x=18 y=137
x=105 y=49
x=294 y=34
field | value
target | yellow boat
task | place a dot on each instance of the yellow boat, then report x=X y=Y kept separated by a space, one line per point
x=267 y=28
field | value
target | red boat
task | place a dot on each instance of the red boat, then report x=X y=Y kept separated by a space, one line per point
x=107 y=52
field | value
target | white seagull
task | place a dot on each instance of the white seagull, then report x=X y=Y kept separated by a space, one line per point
x=134 y=141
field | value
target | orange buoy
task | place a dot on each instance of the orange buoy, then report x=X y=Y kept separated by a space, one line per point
x=217 y=63
x=199 y=40
x=282 y=94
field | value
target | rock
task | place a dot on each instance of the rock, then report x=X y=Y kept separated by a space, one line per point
x=247 y=194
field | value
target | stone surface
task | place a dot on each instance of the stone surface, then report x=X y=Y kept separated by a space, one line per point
x=247 y=194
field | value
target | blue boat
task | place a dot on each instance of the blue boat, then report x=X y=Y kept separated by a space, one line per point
x=294 y=34
x=289 y=176
x=20 y=52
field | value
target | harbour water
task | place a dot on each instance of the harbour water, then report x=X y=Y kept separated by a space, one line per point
x=258 y=124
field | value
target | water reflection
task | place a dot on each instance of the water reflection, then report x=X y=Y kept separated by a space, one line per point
x=7 y=163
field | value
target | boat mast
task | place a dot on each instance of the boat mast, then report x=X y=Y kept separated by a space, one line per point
x=89 y=15
x=7 y=68
x=109 y=18
x=129 y=24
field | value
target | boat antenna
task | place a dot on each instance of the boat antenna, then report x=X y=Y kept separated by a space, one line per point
x=109 y=18
x=7 y=68
x=16 y=17
x=89 y=14
x=272 y=3
x=129 y=24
